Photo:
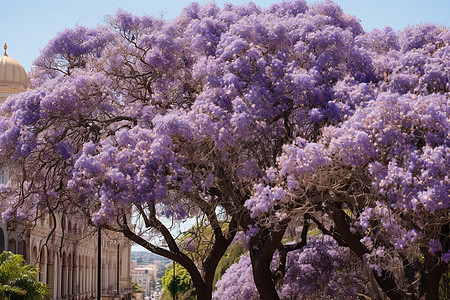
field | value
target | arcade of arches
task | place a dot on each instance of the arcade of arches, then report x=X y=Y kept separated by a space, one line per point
x=70 y=267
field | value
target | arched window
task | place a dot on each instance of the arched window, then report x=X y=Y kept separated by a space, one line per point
x=50 y=270
x=64 y=280
x=63 y=223
x=21 y=249
x=12 y=245
x=34 y=255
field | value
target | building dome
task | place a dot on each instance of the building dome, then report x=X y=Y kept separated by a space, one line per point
x=13 y=78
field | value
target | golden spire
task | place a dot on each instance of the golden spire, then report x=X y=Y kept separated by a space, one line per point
x=5 y=47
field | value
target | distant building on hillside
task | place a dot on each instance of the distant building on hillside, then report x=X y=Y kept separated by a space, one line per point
x=146 y=277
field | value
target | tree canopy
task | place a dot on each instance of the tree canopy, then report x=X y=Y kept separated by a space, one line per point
x=271 y=121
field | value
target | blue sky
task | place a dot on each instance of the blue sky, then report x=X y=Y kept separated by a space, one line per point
x=27 y=25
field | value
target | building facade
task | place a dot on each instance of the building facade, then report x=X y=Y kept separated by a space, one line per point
x=145 y=277
x=67 y=252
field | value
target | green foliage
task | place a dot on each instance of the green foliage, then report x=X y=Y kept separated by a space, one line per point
x=161 y=272
x=136 y=288
x=181 y=283
x=444 y=285
x=18 y=280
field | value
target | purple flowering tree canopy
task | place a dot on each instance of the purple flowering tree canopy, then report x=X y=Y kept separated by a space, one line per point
x=260 y=120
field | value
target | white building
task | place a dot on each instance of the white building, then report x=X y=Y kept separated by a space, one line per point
x=146 y=277
x=13 y=78
x=68 y=259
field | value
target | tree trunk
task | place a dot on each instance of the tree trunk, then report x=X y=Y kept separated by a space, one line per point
x=263 y=278
x=386 y=281
x=203 y=291
x=261 y=256
x=434 y=269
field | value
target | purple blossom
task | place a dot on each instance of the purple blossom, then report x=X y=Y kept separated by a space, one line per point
x=446 y=257
x=251 y=233
x=316 y=270
x=64 y=150
x=435 y=246
x=189 y=244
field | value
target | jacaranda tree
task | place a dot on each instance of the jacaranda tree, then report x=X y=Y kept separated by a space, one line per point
x=275 y=122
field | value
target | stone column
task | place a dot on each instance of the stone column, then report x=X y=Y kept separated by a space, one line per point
x=58 y=272
x=74 y=290
x=43 y=266
x=69 y=277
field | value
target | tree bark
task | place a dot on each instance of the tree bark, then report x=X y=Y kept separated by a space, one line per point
x=263 y=278
x=386 y=281
x=203 y=291
x=261 y=256
x=434 y=269
x=221 y=244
